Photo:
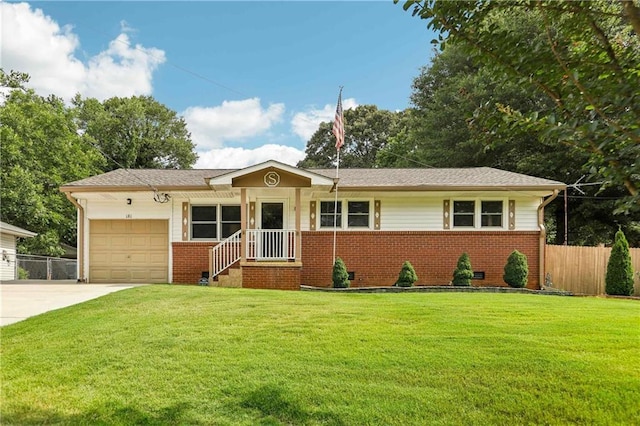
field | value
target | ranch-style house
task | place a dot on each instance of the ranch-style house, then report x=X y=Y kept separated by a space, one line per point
x=271 y=225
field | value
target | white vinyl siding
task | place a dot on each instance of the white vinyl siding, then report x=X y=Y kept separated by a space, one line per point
x=526 y=213
x=411 y=214
x=8 y=265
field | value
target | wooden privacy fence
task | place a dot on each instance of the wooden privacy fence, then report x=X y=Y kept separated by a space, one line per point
x=582 y=270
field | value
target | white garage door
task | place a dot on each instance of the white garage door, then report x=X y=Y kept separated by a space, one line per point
x=132 y=251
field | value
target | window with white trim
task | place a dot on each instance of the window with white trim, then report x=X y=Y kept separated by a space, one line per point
x=230 y=220
x=358 y=214
x=327 y=209
x=478 y=213
x=214 y=222
x=491 y=214
x=464 y=214
x=204 y=222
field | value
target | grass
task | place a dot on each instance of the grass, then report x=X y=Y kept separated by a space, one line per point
x=199 y=355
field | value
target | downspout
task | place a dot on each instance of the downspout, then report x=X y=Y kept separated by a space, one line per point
x=81 y=277
x=543 y=237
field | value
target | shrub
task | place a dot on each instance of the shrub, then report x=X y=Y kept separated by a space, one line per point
x=516 y=270
x=407 y=275
x=340 y=274
x=23 y=274
x=463 y=272
x=619 y=278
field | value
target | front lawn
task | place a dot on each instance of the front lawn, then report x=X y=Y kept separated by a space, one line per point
x=199 y=355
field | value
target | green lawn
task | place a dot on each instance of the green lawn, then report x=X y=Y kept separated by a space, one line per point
x=199 y=355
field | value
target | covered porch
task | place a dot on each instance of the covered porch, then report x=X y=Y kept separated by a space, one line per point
x=267 y=248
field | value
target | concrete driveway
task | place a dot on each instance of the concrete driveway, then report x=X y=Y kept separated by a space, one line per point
x=24 y=299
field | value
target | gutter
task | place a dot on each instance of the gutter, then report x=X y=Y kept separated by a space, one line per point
x=543 y=237
x=81 y=277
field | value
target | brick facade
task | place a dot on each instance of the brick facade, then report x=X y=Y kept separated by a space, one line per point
x=190 y=259
x=376 y=257
x=273 y=277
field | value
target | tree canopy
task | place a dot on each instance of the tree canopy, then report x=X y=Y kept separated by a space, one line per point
x=367 y=130
x=584 y=58
x=41 y=150
x=137 y=132
x=47 y=143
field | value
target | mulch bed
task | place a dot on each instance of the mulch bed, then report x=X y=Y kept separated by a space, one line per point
x=437 y=289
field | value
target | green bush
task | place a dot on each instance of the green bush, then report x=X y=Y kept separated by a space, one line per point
x=407 y=275
x=463 y=273
x=23 y=274
x=516 y=270
x=619 y=279
x=340 y=274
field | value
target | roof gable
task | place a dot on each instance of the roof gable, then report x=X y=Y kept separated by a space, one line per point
x=270 y=174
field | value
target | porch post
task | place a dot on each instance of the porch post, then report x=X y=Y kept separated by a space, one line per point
x=298 y=233
x=243 y=224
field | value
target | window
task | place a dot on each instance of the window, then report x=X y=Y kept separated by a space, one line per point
x=358 y=214
x=230 y=223
x=491 y=213
x=327 y=209
x=463 y=213
x=204 y=222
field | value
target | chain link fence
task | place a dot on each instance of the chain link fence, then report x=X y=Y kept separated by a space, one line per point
x=32 y=267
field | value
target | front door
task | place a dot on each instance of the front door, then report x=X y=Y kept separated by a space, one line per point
x=272 y=224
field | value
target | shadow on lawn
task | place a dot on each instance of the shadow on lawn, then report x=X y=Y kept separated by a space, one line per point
x=109 y=414
x=275 y=405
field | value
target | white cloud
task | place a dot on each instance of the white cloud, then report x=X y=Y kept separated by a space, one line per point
x=210 y=127
x=235 y=158
x=122 y=70
x=34 y=43
x=305 y=124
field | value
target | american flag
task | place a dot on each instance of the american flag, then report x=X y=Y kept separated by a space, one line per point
x=338 y=123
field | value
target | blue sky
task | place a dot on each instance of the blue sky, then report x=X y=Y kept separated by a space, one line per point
x=252 y=79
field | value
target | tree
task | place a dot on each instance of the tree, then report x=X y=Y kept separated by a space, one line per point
x=340 y=275
x=584 y=58
x=367 y=130
x=407 y=275
x=463 y=273
x=137 y=132
x=619 y=278
x=516 y=270
x=446 y=127
x=41 y=150
x=14 y=80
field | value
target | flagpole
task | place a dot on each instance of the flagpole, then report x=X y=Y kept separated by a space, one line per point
x=335 y=208
x=338 y=131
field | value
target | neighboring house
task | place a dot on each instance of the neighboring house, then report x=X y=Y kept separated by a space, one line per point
x=8 y=236
x=273 y=224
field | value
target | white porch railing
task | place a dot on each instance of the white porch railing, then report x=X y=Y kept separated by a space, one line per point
x=226 y=253
x=271 y=244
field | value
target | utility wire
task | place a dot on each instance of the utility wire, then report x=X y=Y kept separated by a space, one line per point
x=157 y=196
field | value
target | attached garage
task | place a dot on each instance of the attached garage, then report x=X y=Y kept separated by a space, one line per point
x=132 y=251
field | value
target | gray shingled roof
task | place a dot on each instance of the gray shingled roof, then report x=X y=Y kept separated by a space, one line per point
x=467 y=177
x=160 y=178
x=478 y=177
